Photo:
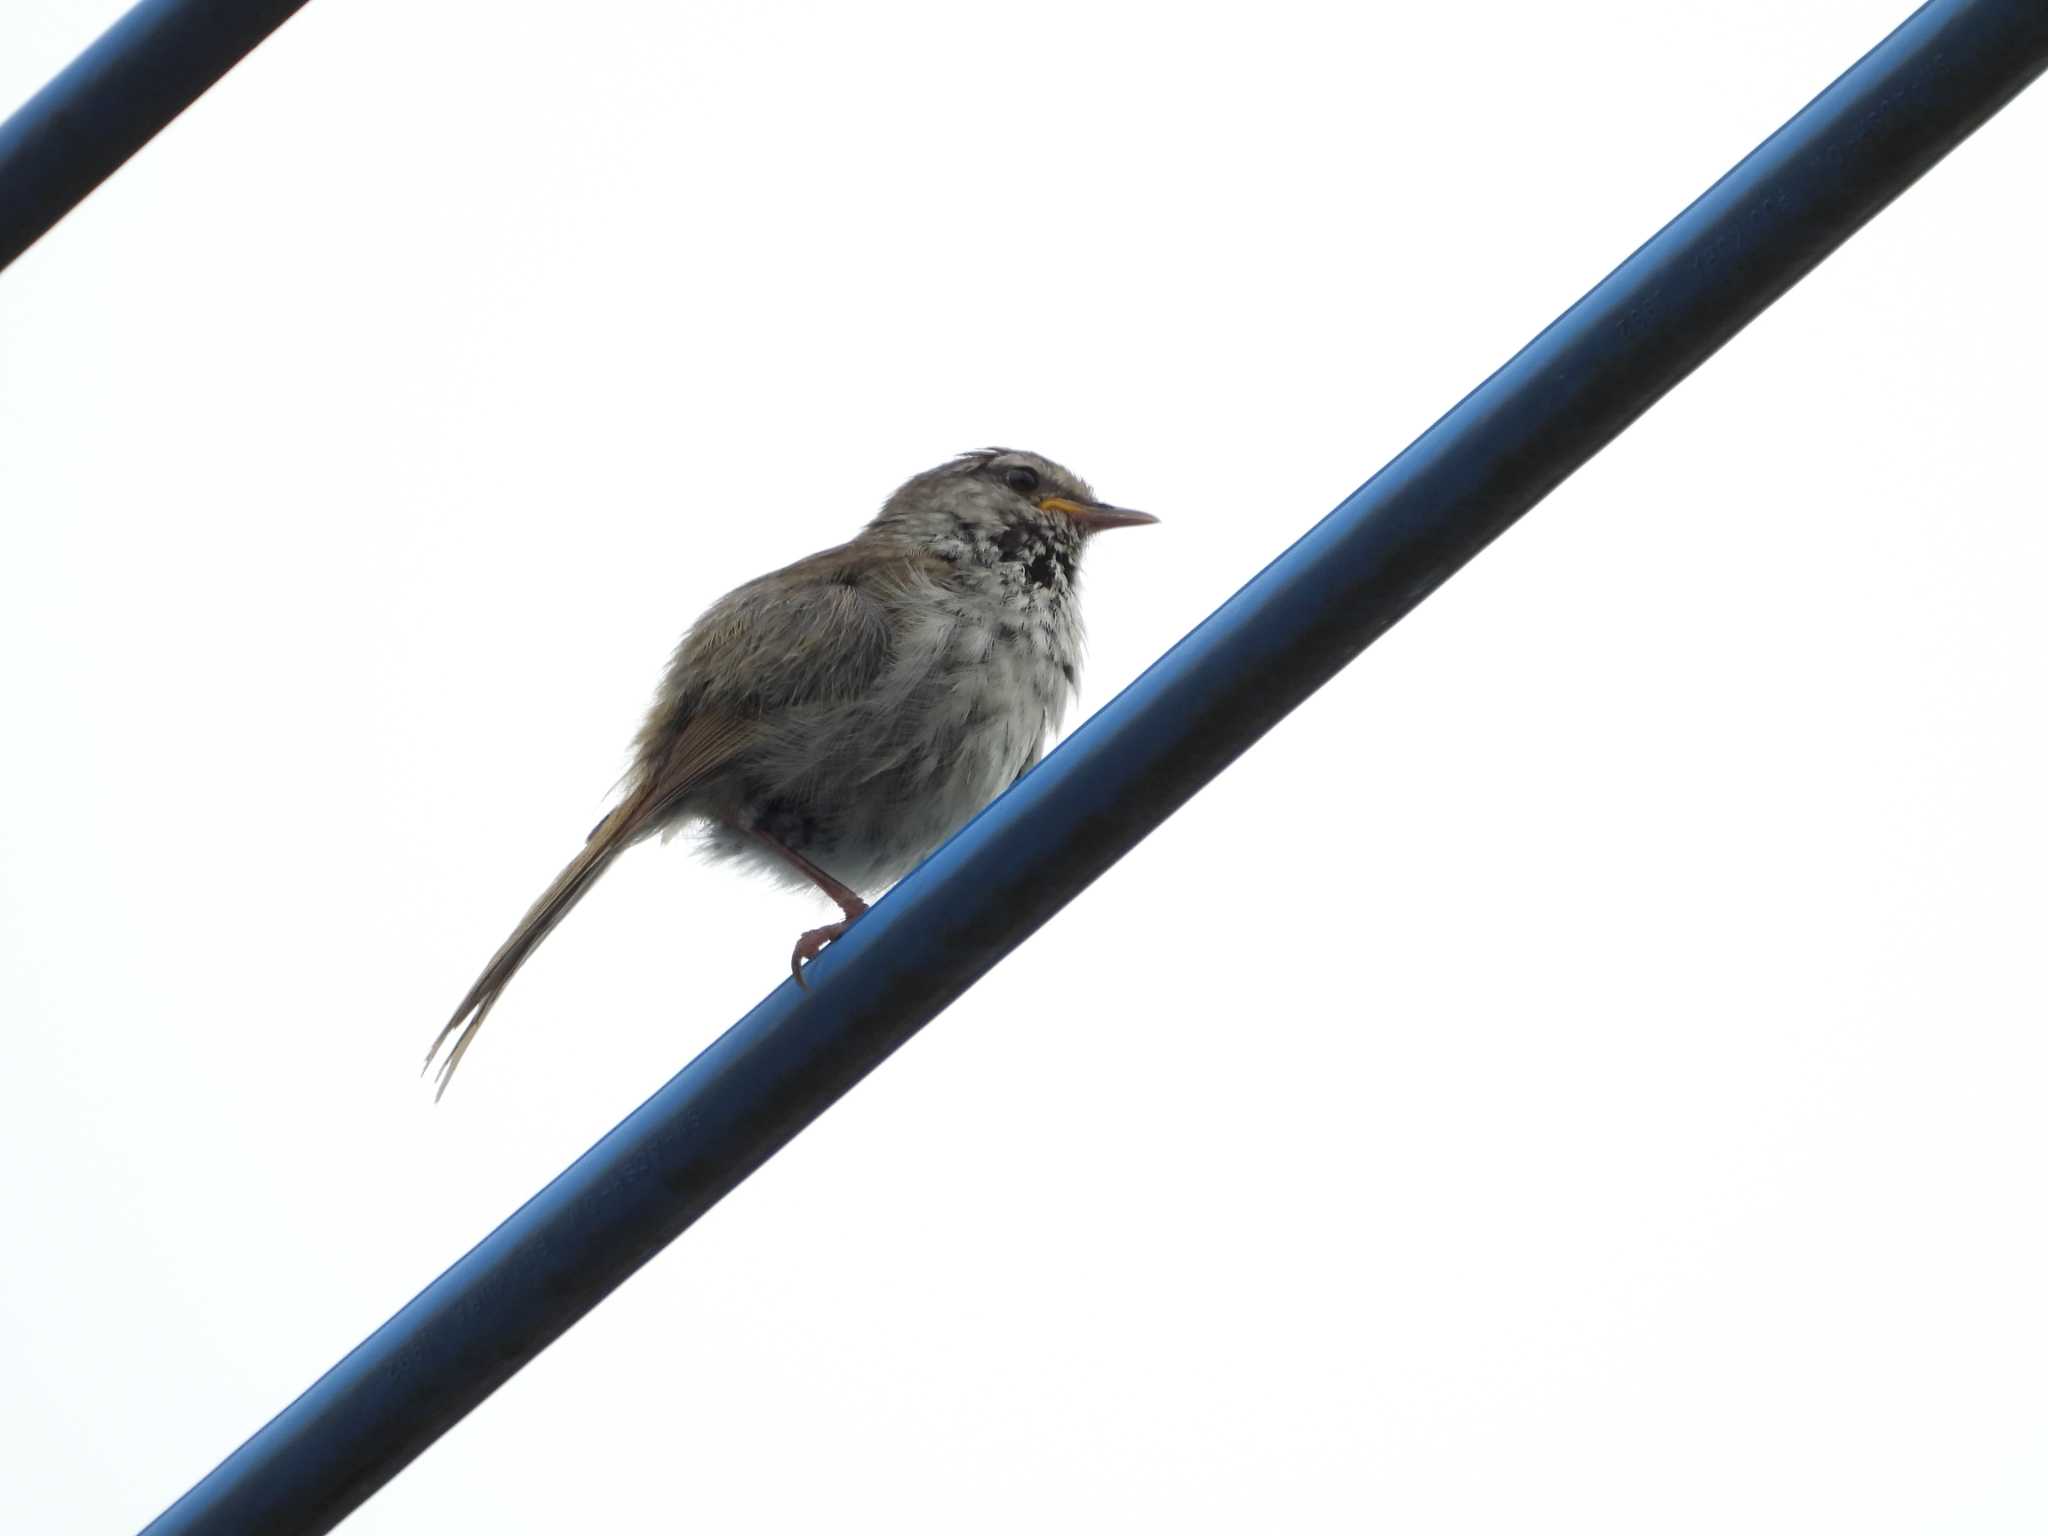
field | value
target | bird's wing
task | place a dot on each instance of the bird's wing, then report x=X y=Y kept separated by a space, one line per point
x=817 y=633
x=700 y=746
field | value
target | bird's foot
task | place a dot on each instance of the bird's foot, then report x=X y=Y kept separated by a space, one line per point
x=808 y=947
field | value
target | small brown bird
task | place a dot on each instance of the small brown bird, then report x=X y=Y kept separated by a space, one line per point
x=834 y=722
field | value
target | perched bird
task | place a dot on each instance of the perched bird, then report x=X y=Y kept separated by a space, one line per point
x=834 y=722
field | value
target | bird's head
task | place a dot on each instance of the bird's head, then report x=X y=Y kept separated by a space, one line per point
x=1001 y=504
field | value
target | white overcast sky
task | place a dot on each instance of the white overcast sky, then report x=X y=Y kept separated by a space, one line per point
x=1584 y=1072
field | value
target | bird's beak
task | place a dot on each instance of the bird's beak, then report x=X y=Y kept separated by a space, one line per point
x=1093 y=516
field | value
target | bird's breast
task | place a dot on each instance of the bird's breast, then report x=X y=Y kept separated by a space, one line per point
x=987 y=682
x=1015 y=660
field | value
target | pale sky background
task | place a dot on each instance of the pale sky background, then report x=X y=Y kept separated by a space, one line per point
x=1584 y=1072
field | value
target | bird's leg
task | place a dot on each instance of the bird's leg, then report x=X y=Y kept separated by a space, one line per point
x=809 y=944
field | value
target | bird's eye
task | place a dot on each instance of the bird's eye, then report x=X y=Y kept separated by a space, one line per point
x=1021 y=480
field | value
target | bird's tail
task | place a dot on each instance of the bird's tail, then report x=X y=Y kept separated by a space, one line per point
x=607 y=841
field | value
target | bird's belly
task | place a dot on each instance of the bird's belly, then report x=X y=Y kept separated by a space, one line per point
x=944 y=766
x=867 y=793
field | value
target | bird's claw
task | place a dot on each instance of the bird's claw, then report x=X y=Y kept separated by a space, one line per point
x=809 y=946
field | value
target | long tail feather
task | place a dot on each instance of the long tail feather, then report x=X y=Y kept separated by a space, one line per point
x=607 y=841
